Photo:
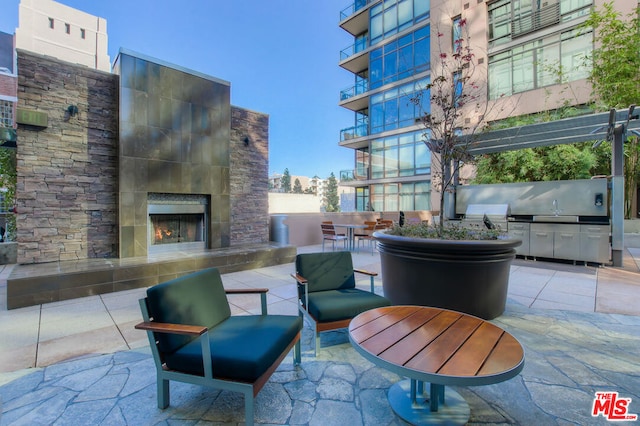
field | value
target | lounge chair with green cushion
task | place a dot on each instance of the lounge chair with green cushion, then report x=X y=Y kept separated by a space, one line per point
x=327 y=293
x=194 y=338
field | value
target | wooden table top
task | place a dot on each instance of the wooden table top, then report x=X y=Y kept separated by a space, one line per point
x=437 y=345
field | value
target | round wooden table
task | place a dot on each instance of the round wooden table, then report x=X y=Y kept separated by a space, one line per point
x=438 y=346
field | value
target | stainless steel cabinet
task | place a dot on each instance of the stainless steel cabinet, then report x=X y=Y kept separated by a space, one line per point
x=588 y=243
x=594 y=243
x=566 y=242
x=520 y=230
x=541 y=240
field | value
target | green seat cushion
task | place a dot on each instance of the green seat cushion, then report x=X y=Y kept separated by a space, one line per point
x=194 y=299
x=242 y=347
x=335 y=305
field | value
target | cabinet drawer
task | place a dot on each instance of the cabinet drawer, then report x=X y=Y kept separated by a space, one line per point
x=595 y=229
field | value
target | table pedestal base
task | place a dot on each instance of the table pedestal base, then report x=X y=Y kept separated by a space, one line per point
x=454 y=410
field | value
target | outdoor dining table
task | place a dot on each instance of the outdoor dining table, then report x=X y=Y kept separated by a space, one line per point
x=350 y=233
x=438 y=346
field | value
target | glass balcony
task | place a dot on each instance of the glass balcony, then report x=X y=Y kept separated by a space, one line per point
x=354 y=132
x=358 y=89
x=357 y=47
x=353 y=8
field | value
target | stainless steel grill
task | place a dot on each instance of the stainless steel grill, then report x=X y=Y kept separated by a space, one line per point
x=493 y=214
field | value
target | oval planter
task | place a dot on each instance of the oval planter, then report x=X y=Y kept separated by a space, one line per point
x=470 y=276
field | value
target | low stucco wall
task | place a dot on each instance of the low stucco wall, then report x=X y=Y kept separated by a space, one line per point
x=304 y=228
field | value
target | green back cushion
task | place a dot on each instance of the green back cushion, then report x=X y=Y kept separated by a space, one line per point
x=326 y=271
x=194 y=299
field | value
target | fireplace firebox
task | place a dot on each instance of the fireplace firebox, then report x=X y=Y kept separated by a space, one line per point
x=176 y=226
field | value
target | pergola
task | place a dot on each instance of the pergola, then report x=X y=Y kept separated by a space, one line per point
x=612 y=126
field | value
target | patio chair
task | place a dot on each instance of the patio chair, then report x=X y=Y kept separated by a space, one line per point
x=194 y=338
x=329 y=234
x=366 y=235
x=327 y=293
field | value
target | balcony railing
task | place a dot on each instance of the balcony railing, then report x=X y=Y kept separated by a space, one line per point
x=360 y=45
x=353 y=8
x=358 y=89
x=354 y=132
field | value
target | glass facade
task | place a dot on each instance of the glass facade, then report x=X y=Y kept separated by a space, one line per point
x=395 y=108
x=399 y=59
x=393 y=16
x=400 y=155
x=509 y=19
x=401 y=196
x=554 y=59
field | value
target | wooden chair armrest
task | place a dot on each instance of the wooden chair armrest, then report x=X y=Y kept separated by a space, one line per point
x=246 y=290
x=161 y=327
x=299 y=278
x=362 y=271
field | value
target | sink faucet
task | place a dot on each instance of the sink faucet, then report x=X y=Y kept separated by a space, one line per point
x=556 y=211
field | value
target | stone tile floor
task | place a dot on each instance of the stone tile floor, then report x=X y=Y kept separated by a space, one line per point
x=81 y=362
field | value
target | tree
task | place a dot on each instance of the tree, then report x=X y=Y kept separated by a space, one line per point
x=558 y=162
x=452 y=106
x=8 y=180
x=331 y=199
x=615 y=77
x=297 y=187
x=285 y=181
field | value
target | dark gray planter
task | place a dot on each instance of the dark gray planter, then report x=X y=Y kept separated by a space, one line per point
x=467 y=276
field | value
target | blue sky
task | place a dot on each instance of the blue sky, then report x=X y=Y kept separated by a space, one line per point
x=281 y=57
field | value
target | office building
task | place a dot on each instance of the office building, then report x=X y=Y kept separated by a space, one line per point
x=69 y=34
x=529 y=55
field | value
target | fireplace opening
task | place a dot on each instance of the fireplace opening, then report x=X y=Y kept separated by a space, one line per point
x=177 y=223
x=177 y=228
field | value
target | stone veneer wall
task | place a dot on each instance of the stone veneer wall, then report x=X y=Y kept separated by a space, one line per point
x=249 y=176
x=67 y=172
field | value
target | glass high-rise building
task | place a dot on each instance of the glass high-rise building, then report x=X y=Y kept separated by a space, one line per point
x=529 y=55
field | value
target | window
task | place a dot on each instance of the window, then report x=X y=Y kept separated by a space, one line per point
x=393 y=16
x=394 y=108
x=456 y=33
x=551 y=60
x=404 y=196
x=6 y=114
x=362 y=199
x=82 y=33
x=509 y=19
x=400 y=155
x=51 y=23
x=399 y=59
x=67 y=28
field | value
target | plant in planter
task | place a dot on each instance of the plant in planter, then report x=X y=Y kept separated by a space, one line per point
x=452 y=267
x=443 y=265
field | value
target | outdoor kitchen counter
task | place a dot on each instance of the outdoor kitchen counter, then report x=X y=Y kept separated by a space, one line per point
x=574 y=238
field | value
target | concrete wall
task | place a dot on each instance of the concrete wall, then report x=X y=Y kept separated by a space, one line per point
x=67 y=172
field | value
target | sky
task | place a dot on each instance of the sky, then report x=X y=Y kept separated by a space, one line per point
x=280 y=56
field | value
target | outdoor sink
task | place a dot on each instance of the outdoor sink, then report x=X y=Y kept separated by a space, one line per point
x=554 y=218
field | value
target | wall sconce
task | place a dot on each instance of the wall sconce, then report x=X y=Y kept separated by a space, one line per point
x=72 y=110
x=246 y=141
